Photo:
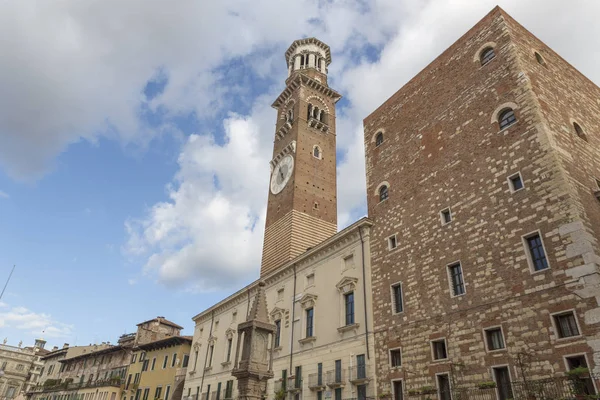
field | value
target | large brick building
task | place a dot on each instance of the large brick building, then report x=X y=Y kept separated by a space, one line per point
x=483 y=175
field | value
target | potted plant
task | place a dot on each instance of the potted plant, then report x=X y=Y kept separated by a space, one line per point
x=280 y=394
x=486 y=385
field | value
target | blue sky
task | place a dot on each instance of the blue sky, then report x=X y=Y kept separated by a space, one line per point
x=136 y=139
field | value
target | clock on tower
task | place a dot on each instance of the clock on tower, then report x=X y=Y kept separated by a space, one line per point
x=302 y=206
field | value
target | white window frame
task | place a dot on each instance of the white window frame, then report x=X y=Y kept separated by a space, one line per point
x=392 y=384
x=442 y=219
x=433 y=353
x=390 y=358
x=484 y=331
x=528 y=252
x=450 y=284
x=493 y=375
x=510 y=182
x=555 y=328
x=389 y=242
x=307 y=282
x=399 y=283
x=437 y=382
x=586 y=361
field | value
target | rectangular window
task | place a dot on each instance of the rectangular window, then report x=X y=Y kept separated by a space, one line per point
x=338 y=371
x=298 y=378
x=142 y=357
x=397 y=298
x=349 y=301
x=338 y=393
x=207 y=392
x=195 y=360
x=516 y=182
x=186 y=361
x=165 y=362
x=174 y=360
x=310 y=280
x=126 y=386
x=319 y=395
x=136 y=380
x=349 y=262
x=456 y=279
x=146 y=393
x=309 y=322
x=145 y=366
x=278 y=333
x=439 y=349
x=536 y=253
x=395 y=358
x=392 y=243
x=280 y=294
x=284 y=379
x=443 y=382
x=446 y=216
x=228 y=390
x=211 y=350
x=361 y=367
x=398 y=390
x=494 y=339
x=153 y=364
x=133 y=358
x=218 y=391
x=585 y=381
x=138 y=393
x=229 y=345
x=502 y=379
x=319 y=374
x=361 y=392
x=566 y=325
x=158 y=392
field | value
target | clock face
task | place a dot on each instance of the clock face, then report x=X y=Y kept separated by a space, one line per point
x=281 y=174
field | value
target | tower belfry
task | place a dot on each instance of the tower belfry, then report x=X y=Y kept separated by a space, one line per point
x=302 y=205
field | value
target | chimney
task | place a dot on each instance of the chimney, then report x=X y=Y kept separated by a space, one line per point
x=66 y=346
x=55 y=348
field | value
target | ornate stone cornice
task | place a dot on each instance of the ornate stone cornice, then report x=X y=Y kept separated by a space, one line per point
x=303 y=80
x=289 y=149
x=310 y=40
x=347 y=284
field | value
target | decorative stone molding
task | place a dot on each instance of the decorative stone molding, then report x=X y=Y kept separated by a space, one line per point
x=229 y=333
x=347 y=285
x=277 y=314
x=374 y=137
x=308 y=300
x=346 y=328
x=289 y=149
x=302 y=80
x=477 y=55
x=384 y=183
x=320 y=100
x=283 y=130
x=501 y=108
x=307 y=340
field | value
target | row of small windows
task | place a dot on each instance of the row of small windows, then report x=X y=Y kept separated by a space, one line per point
x=564 y=323
x=316 y=113
x=488 y=54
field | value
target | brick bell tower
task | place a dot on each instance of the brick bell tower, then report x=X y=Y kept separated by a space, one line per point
x=302 y=206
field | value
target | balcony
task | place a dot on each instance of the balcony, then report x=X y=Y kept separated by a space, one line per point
x=316 y=382
x=294 y=384
x=358 y=375
x=115 y=382
x=335 y=378
x=320 y=125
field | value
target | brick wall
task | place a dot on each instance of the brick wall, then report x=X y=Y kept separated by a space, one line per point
x=442 y=148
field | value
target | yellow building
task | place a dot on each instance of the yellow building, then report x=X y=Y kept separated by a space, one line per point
x=155 y=368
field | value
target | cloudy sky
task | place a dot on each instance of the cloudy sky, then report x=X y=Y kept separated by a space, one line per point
x=136 y=135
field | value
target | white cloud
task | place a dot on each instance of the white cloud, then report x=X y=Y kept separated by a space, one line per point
x=21 y=318
x=85 y=80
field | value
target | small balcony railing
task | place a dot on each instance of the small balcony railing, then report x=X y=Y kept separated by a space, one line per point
x=335 y=378
x=294 y=384
x=358 y=374
x=278 y=385
x=316 y=382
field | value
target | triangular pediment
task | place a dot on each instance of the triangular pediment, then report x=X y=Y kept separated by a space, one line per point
x=229 y=332
x=347 y=284
x=308 y=300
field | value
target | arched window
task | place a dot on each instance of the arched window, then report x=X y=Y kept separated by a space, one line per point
x=540 y=59
x=507 y=118
x=315 y=112
x=383 y=193
x=317 y=152
x=322 y=116
x=379 y=139
x=310 y=108
x=487 y=55
x=290 y=116
x=579 y=131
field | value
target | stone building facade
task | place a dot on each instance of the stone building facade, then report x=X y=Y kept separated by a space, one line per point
x=323 y=348
x=98 y=372
x=20 y=368
x=483 y=180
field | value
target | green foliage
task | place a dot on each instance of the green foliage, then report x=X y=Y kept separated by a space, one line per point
x=427 y=390
x=280 y=394
x=578 y=372
x=486 y=385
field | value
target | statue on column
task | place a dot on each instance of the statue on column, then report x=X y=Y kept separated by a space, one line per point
x=254 y=367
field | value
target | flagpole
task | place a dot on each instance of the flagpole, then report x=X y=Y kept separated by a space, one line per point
x=6 y=284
